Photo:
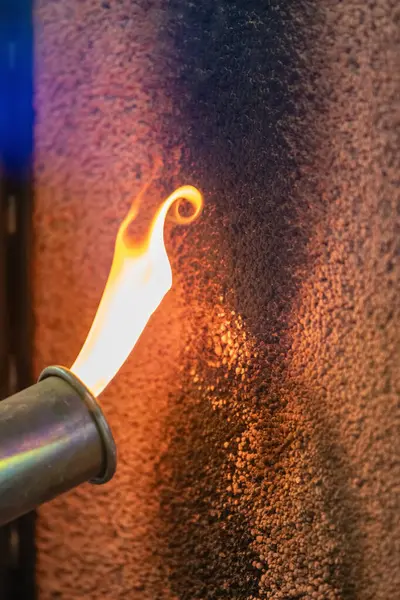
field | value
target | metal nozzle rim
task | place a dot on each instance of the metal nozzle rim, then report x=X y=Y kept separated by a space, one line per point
x=108 y=443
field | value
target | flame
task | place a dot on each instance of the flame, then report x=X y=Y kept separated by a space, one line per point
x=139 y=278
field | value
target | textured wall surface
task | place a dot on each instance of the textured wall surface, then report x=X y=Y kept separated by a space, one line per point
x=257 y=420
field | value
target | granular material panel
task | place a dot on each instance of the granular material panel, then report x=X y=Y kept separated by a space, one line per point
x=257 y=420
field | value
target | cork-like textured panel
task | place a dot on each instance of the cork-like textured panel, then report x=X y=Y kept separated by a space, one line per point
x=257 y=420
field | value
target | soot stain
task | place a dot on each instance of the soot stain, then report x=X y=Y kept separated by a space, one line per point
x=240 y=81
x=242 y=86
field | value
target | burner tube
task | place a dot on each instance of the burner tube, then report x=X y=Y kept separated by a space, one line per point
x=53 y=437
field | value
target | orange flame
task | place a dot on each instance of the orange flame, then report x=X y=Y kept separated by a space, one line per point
x=139 y=278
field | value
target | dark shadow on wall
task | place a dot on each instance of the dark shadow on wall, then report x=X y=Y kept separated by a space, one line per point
x=254 y=493
x=244 y=98
x=208 y=552
x=242 y=80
